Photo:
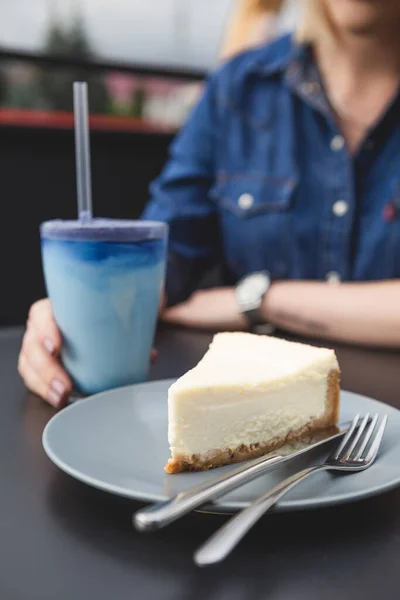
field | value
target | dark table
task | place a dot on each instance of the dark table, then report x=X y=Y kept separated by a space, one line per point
x=61 y=540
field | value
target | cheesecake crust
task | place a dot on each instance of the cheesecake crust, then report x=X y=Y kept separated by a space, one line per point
x=219 y=458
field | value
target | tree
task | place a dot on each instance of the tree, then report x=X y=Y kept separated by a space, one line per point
x=77 y=40
x=57 y=83
x=56 y=41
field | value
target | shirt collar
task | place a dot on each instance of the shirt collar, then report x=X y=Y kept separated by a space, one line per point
x=295 y=63
x=283 y=52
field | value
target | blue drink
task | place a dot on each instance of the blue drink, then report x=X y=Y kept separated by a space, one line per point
x=104 y=279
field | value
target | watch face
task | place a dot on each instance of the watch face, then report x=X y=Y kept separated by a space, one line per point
x=251 y=290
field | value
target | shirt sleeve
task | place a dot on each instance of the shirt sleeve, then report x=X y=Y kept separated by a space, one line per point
x=180 y=197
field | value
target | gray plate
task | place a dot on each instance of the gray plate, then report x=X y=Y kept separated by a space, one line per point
x=117 y=441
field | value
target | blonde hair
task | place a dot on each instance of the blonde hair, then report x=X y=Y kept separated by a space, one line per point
x=315 y=23
x=264 y=5
x=246 y=27
x=314 y=19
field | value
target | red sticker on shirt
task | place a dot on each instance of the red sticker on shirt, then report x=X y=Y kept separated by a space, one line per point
x=389 y=212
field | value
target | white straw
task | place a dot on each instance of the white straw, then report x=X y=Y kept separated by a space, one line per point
x=82 y=151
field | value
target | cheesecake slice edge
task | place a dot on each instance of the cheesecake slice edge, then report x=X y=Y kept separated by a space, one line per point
x=279 y=392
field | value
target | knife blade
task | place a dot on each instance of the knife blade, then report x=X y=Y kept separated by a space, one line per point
x=159 y=515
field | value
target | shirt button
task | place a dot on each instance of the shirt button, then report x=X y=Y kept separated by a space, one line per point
x=246 y=201
x=337 y=143
x=333 y=277
x=340 y=208
x=310 y=87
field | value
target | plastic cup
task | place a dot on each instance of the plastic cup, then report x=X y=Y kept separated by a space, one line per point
x=104 y=279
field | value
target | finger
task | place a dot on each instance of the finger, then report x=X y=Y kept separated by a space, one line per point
x=174 y=312
x=35 y=384
x=30 y=378
x=41 y=320
x=177 y=315
x=55 y=385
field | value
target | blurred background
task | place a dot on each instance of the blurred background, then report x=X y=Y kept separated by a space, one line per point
x=145 y=63
x=143 y=60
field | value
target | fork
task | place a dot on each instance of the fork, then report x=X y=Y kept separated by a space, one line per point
x=356 y=452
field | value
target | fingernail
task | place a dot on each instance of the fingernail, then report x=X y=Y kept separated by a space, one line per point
x=56 y=392
x=53 y=397
x=49 y=345
x=58 y=386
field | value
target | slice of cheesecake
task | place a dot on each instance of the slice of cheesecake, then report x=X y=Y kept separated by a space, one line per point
x=249 y=395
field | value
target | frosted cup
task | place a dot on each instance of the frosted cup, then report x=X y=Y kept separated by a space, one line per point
x=104 y=279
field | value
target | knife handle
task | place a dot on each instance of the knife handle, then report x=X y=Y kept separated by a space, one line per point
x=161 y=514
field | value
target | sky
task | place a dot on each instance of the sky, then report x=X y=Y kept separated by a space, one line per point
x=167 y=32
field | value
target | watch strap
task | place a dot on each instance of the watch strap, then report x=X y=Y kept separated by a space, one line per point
x=254 y=317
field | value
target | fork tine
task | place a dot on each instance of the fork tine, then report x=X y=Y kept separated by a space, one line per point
x=373 y=451
x=367 y=437
x=346 y=438
x=356 y=437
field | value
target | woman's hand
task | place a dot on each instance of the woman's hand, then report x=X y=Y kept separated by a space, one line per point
x=207 y=309
x=38 y=363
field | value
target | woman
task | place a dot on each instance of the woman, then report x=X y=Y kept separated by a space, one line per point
x=254 y=22
x=289 y=165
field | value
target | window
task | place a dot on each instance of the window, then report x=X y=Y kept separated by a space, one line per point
x=142 y=60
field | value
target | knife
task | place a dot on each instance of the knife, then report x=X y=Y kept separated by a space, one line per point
x=159 y=515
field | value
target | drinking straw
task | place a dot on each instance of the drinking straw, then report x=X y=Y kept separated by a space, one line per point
x=82 y=151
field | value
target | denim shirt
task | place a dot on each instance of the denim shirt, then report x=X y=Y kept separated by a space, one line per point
x=260 y=178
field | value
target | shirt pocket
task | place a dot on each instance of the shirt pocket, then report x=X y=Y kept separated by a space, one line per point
x=255 y=214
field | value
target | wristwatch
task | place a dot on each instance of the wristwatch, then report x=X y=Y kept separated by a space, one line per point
x=250 y=292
